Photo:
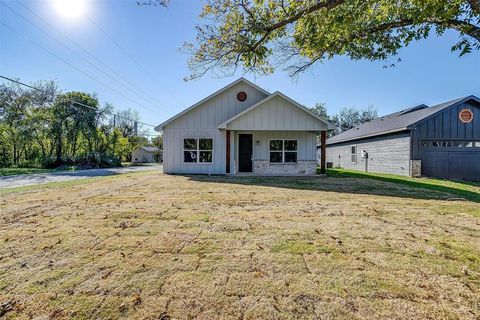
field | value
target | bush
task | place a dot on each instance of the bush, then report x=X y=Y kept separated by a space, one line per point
x=91 y=160
x=28 y=164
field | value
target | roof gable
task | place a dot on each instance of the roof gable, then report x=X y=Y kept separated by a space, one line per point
x=210 y=97
x=276 y=112
x=396 y=122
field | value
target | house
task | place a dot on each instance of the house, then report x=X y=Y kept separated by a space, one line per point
x=243 y=129
x=441 y=141
x=146 y=155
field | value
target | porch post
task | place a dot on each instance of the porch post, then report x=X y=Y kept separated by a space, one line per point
x=323 y=148
x=228 y=153
x=233 y=167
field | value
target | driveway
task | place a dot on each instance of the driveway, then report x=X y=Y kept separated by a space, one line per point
x=41 y=178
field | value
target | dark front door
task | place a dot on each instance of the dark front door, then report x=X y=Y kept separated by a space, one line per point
x=245 y=150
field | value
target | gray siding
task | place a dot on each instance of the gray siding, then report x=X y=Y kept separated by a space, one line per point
x=386 y=154
x=140 y=155
x=277 y=113
x=202 y=122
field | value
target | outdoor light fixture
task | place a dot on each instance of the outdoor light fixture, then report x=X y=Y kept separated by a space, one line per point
x=258 y=142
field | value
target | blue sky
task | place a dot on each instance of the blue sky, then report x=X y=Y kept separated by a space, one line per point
x=428 y=73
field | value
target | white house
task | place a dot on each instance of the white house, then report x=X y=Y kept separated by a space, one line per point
x=145 y=154
x=243 y=129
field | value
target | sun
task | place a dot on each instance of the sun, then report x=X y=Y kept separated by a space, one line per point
x=70 y=9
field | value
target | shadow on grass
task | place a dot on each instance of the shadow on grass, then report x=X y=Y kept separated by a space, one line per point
x=357 y=183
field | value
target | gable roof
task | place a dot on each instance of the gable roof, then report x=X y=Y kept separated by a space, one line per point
x=396 y=122
x=150 y=149
x=275 y=94
x=216 y=93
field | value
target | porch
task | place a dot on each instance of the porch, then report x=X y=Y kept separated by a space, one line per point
x=272 y=153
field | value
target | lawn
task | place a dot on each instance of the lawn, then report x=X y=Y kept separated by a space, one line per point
x=154 y=246
x=16 y=171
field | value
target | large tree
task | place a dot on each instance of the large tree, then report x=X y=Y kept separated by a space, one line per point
x=260 y=35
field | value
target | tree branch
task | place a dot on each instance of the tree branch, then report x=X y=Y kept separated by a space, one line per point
x=280 y=24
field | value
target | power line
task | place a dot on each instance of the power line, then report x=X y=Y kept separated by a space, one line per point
x=71 y=100
x=133 y=59
x=75 y=67
x=72 y=51
x=137 y=91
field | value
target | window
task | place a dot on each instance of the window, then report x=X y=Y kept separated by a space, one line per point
x=450 y=144
x=354 y=154
x=197 y=150
x=283 y=151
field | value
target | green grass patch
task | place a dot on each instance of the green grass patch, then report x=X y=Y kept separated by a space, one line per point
x=467 y=190
x=299 y=247
x=16 y=171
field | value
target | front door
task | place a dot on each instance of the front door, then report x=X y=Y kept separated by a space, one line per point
x=245 y=151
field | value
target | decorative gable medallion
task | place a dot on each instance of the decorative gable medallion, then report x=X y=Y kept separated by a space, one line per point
x=241 y=96
x=465 y=116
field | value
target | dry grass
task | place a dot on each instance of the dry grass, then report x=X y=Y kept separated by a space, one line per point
x=152 y=246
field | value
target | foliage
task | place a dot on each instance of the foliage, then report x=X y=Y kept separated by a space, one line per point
x=347 y=118
x=260 y=35
x=45 y=128
x=320 y=109
x=158 y=142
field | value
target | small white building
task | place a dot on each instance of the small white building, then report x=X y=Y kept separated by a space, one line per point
x=242 y=128
x=145 y=154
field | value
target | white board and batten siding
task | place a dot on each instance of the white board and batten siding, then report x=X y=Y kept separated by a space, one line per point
x=387 y=154
x=202 y=122
x=276 y=114
x=306 y=142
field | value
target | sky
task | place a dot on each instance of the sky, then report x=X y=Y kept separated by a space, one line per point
x=141 y=45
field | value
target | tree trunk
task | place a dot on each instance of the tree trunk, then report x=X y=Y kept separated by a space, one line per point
x=14 y=153
x=59 y=147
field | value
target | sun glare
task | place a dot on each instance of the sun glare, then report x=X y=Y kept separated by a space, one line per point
x=70 y=9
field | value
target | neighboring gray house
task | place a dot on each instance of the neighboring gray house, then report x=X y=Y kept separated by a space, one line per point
x=242 y=128
x=441 y=141
x=145 y=154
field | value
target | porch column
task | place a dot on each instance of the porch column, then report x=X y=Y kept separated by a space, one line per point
x=233 y=167
x=323 y=150
x=228 y=153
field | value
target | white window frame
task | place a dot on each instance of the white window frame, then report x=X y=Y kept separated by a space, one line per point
x=352 y=154
x=198 y=150
x=282 y=151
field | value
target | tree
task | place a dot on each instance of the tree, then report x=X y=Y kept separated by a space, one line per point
x=125 y=121
x=349 y=118
x=259 y=35
x=158 y=142
x=320 y=109
x=41 y=127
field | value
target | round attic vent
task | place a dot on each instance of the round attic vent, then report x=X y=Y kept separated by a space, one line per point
x=241 y=96
x=466 y=115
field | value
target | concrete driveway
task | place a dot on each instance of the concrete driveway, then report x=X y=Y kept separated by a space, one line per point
x=41 y=178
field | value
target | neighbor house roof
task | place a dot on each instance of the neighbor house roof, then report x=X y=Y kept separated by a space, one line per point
x=160 y=126
x=224 y=125
x=150 y=149
x=395 y=122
